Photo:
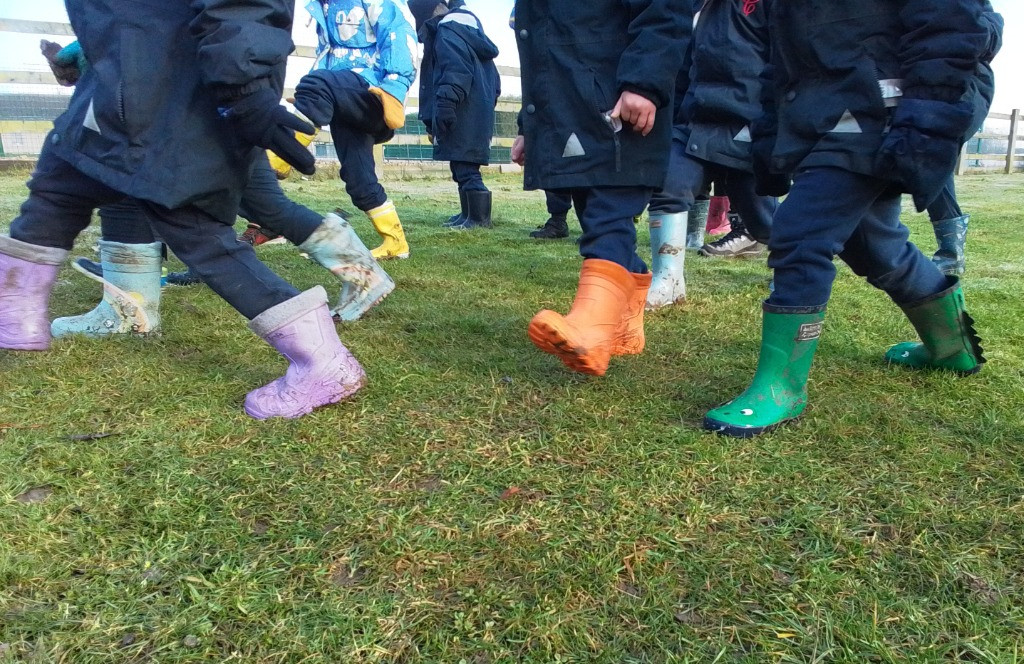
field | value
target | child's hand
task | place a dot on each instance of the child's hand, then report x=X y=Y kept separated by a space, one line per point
x=519 y=150
x=636 y=110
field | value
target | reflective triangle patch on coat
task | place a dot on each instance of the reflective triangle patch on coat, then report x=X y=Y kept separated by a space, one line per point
x=847 y=125
x=90 y=119
x=573 y=147
x=743 y=136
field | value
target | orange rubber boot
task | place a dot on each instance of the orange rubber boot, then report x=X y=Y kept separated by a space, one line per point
x=583 y=339
x=631 y=334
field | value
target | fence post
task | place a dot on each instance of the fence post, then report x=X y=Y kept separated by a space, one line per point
x=1011 y=149
x=961 y=161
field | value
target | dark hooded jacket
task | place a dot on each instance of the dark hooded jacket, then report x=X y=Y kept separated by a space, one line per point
x=982 y=86
x=729 y=50
x=143 y=119
x=841 y=67
x=458 y=66
x=577 y=58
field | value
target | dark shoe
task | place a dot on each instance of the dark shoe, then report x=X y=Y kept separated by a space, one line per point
x=555 y=228
x=186 y=278
x=257 y=236
x=478 y=211
x=737 y=243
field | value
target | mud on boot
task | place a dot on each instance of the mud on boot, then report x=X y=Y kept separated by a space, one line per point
x=321 y=371
x=668 y=260
x=27 y=274
x=364 y=283
x=951 y=234
x=131 y=293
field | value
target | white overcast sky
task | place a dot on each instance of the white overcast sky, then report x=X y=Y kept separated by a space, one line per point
x=21 y=52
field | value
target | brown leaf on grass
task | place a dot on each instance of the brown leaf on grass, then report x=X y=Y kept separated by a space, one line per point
x=982 y=591
x=510 y=492
x=35 y=495
x=522 y=494
x=627 y=588
x=688 y=617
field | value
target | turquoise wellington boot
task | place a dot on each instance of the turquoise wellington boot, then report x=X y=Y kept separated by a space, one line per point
x=947 y=333
x=364 y=283
x=131 y=293
x=668 y=258
x=778 y=393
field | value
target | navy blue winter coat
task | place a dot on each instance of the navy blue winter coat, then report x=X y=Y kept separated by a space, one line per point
x=729 y=49
x=458 y=66
x=577 y=58
x=143 y=119
x=983 y=85
x=841 y=66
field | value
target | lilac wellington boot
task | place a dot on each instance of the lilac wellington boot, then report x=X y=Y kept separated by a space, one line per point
x=27 y=273
x=322 y=371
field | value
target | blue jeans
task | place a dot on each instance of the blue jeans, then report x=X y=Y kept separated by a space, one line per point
x=832 y=212
x=687 y=180
x=606 y=215
x=467 y=175
x=559 y=203
x=60 y=204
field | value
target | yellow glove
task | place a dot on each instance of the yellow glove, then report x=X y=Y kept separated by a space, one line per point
x=394 y=110
x=282 y=167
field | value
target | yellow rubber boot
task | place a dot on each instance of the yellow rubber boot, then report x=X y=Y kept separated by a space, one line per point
x=385 y=220
x=585 y=337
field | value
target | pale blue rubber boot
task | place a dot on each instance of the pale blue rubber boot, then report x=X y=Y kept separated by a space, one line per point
x=668 y=258
x=364 y=283
x=131 y=293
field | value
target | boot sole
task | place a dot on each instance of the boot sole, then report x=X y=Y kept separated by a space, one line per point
x=733 y=431
x=750 y=254
x=549 y=333
x=372 y=300
x=391 y=257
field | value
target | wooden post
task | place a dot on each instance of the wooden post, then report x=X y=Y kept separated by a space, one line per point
x=961 y=161
x=1011 y=149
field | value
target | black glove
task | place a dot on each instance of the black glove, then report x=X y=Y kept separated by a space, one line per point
x=262 y=121
x=314 y=97
x=444 y=118
x=923 y=145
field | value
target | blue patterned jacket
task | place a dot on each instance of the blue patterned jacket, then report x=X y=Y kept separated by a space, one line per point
x=373 y=38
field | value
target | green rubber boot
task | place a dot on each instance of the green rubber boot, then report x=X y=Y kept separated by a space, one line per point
x=947 y=331
x=778 y=393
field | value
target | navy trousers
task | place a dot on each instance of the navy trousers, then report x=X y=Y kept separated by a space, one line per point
x=832 y=212
x=945 y=206
x=263 y=203
x=467 y=175
x=60 y=204
x=606 y=215
x=687 y=180
x=357 y=125
x=559 y=203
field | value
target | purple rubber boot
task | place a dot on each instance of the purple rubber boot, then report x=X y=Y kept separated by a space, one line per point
x=322 y=371
x=27 y=273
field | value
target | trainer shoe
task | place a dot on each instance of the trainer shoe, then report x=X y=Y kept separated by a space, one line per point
x=256 y=236
x=735 y=244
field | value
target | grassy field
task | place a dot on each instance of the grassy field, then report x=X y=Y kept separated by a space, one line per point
x=477 y=503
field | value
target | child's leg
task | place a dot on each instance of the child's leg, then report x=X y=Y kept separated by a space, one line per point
x=478 y=197
x=60 y=204
x=229 y=267
x=606 y=317
x=811 y=227
x=757 y=212
x=879 y=250
x=299 y=326
x=265 y=204
x=607 y=220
